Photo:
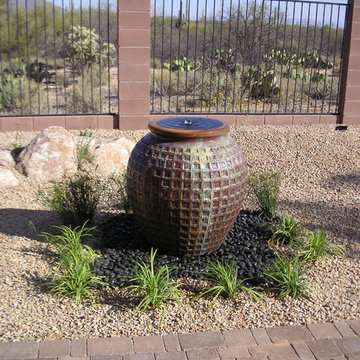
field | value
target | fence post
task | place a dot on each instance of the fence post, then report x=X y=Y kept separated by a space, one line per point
x=349 y=106
x=134 y=63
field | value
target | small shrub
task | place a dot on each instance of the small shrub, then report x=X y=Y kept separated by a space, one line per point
x=85 y=97
x=74 y=199
x=21 y=96
x=316 y=247
x=75 y=263
x=153 y=288
x=266 y=188
x=286 y=277
x=84 y=154
x=121 y=191
x=38 y=71
x=288 y=232
x=224 y=282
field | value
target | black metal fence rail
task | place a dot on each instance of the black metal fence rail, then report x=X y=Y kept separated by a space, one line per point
x=58 y=57
x=246 y=56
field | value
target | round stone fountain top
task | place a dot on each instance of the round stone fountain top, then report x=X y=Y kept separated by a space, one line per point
x=188 y=127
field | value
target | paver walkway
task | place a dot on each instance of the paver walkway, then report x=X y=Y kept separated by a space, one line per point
x=329 y=341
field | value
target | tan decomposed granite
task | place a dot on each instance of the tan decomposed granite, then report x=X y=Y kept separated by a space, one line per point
x=320 y=170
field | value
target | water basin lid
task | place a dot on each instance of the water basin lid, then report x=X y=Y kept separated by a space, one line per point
x=188 y=127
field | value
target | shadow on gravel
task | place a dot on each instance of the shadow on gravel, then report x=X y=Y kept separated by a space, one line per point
x=27 y=223
x=345 y=180
x=341 y=221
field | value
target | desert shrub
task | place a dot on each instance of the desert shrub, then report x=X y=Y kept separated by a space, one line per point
x=286 y=277
x=316 y=247
x=265 y=187
x=224 y=281
x=21 y=96
x=75 y=263
x=86 y=48
x=85 y=96
x=153 y=288
x=38 y=71
x=73 y=198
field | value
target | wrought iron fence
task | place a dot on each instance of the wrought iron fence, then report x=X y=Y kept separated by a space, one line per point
x=246 y=56
x=58 y=57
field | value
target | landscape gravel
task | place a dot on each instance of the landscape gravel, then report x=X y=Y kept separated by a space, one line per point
x=320 y=170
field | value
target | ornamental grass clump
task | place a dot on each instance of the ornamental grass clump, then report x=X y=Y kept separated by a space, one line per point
x=152 y=288
x=315 y=247
x=75 y=264
x=74 y=198
x=266 y=188
x=288 y=232
x=224 y=281
x=120 y=183
x=286 y=277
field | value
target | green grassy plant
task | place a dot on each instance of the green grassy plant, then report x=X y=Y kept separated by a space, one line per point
x=316 y=247
x=84 y=154
x=121 y=191
x=266 y=188
x=153 y=288
x=286 y=277
x=288 y=232
x=75 y=263
x=224 y=281
x=74 y=199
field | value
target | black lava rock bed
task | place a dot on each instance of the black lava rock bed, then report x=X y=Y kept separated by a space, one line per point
x=246 y=245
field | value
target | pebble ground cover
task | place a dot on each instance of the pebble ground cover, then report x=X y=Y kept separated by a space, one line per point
x=320 y=170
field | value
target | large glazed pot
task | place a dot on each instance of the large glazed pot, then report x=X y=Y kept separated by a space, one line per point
x=186 y=182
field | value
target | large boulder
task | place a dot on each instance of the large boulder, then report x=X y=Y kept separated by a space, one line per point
x=6 y=160
x=51 y=154
x=7 y=178
x=113 y=156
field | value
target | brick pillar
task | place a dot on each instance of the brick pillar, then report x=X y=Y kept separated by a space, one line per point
x=350 y=87
x=134 y=63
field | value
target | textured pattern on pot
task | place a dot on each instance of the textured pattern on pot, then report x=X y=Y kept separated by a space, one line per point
x=186 y=185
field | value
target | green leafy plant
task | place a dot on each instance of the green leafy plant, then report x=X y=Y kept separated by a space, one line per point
x=153 y=288
x=266 y=188
x=286 y=277
x=224 y=281
x=75 y=263
x=261 y=83
x=74 y=199
x=294 y=73
x=224 y=59
x=288 y=232
x=85 y=49
x=121 y=190
x=86 y=133
x=182 y=63
x=316 y=247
